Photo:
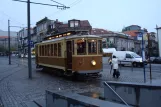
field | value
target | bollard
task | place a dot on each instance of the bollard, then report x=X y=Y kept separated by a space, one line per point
x=132 y=66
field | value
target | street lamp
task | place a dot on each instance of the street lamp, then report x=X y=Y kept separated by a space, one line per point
x=9 y=47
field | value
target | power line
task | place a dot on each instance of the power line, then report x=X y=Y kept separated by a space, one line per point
x=57 y=2
x=75 y=3
x=70 y=5
x=13 y=19
x=42 y=4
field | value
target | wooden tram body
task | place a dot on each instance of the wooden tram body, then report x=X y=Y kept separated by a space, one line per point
x=74 y=54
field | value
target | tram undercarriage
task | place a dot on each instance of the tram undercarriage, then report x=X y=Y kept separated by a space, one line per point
x=74 y=75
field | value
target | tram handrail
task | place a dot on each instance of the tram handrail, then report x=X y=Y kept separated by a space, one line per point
x=116 y=94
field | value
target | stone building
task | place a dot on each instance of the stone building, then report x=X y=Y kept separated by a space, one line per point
x=117 y=40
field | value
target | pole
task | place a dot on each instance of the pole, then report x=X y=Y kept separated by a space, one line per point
x=149 y=49
x=143 y=57
x=127 y=44
x=22 y=42
x=9 y=55
x=29 y=39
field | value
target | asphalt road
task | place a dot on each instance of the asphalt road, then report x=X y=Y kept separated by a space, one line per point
x=154 y=67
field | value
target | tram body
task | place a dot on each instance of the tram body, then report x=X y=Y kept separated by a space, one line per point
x=71 y=54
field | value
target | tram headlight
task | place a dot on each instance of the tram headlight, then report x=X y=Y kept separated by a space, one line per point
x=93 y=62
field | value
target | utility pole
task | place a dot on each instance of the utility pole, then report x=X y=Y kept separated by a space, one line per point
x=29 y=40
x=9 y=55
x=143 y=56
x=29 y=36
x=149 y=52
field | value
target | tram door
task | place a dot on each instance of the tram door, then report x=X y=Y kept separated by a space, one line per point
x=69 y=55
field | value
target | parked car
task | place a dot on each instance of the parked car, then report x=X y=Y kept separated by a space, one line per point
x=157 y=60
x=128 y=58
x=151 y=59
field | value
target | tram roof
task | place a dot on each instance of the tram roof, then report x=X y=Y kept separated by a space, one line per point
x=71 y=37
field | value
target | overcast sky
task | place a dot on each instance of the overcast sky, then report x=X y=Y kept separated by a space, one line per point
x=108 y=14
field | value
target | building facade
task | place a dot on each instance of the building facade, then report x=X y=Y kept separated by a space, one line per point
x=23 y=40
x=42 y=28
x=82 y=26
x=159 y=39
x=117 y=40
x=4 y=41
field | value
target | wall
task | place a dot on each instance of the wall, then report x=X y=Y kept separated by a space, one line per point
x=67 y=99
x=159 y=41
x=139 y=95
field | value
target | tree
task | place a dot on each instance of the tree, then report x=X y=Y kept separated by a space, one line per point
x=13 y=48
x=2 y=49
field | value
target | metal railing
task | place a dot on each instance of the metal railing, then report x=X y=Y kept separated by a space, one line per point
x=116 y=94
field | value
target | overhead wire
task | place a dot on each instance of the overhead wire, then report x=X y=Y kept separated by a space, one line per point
x=11 y=18
x=57 y=2
x=70 y=5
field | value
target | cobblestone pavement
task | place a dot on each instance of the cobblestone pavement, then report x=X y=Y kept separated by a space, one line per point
x=16 y=89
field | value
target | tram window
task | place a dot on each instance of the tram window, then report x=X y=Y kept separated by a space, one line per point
x=73 y=46
x=92 y=46
x=42 y=51
x=52 y=50
x=46 y=50
x=59 y=49
x=49 y=50
x=99 y=46
x=81 y=47
x=55 y=49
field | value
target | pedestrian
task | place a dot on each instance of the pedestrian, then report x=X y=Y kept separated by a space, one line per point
x=115 y=67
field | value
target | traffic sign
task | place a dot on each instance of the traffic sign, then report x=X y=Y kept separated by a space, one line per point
x=31 y=43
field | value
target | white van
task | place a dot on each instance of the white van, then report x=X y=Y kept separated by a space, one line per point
x=128 y=58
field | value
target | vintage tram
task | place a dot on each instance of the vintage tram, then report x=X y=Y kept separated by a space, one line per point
x=71 y=54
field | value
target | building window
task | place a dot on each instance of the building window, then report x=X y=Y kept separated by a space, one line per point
x=81 y=46
x=59 y=49
x=76 y=23
x=55 y=49
x=92 y=46
x=71 y=23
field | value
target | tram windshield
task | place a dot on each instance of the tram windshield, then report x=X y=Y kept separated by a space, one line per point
x=92 y=46
x=89 y=46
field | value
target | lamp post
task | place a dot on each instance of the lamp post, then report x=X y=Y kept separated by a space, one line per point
x=9 y=48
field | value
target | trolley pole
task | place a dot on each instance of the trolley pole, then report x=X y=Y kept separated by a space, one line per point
x=29 y=39
x=9 y=50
